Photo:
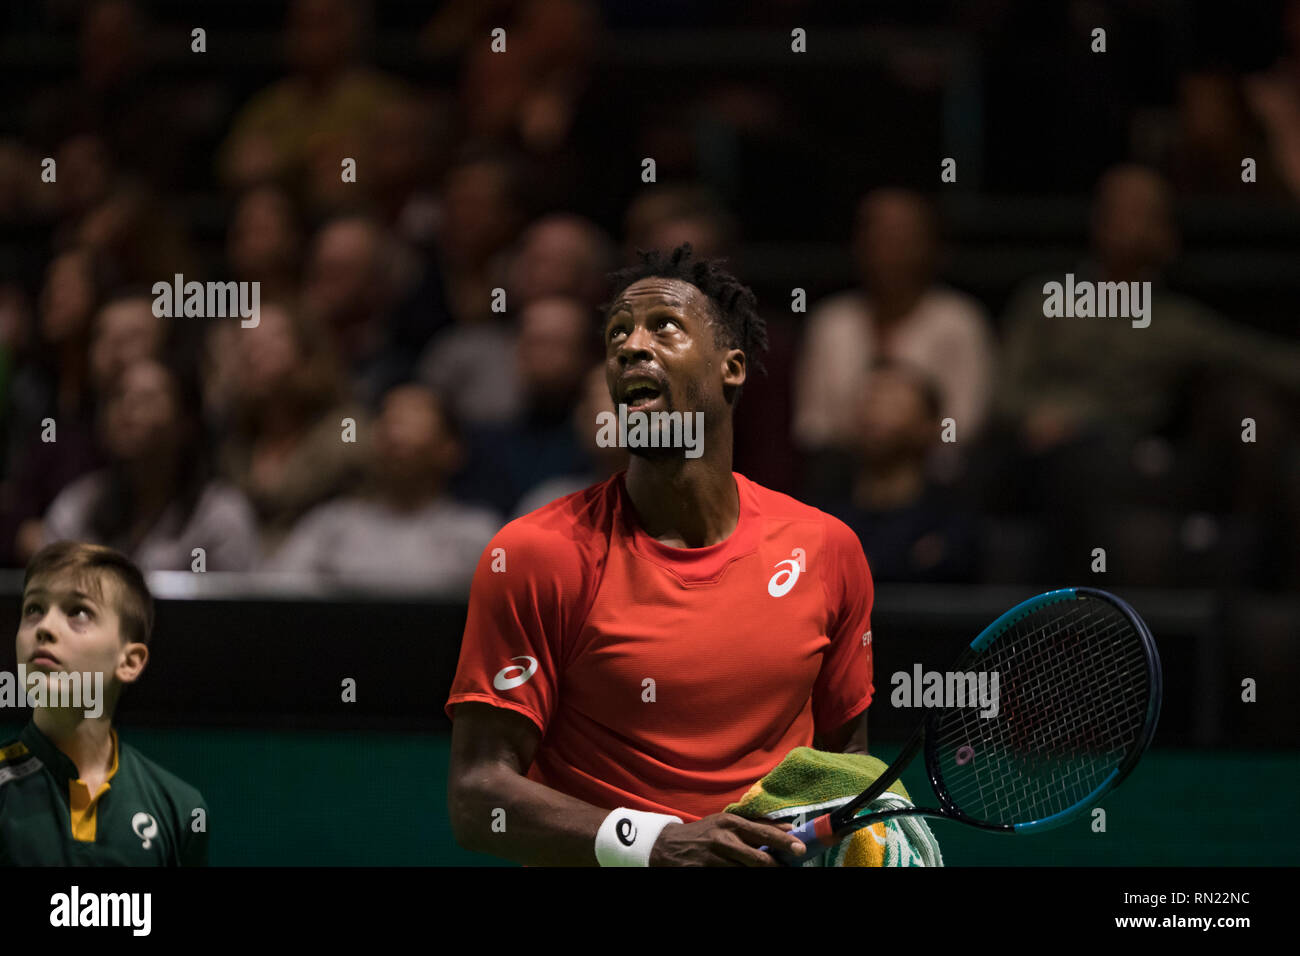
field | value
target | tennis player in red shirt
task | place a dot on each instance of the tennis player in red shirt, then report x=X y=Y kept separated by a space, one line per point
x=639 y=653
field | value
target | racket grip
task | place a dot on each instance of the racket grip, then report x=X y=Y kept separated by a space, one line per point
x=815 y=835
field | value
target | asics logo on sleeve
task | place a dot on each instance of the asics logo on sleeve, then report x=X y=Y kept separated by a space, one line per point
x=787 y=574
x=503 y=682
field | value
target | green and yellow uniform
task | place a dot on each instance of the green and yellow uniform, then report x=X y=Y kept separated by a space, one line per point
x=141 y=816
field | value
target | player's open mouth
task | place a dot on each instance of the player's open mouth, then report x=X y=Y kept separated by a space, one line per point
x=642 y=393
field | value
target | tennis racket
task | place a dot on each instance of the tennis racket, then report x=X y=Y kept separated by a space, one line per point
x=1079 y=690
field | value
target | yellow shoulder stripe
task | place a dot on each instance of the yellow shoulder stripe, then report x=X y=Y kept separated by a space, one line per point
x=13 y=751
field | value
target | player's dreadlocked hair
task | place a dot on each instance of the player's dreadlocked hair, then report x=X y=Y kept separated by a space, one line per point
x=736 y=322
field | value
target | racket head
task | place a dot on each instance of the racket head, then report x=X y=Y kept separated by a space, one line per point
x=1079 y=695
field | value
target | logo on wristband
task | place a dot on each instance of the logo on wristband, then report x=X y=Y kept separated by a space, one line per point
x=626 y=831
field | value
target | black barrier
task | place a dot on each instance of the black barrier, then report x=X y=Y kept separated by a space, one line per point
x=234 y=651
x=229 y=651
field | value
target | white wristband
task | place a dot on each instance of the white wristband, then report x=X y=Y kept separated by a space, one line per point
x=627 y=837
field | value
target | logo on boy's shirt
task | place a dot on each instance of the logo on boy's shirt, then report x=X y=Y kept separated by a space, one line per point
x=145 y=827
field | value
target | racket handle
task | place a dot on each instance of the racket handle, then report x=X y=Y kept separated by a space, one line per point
x=816 y=836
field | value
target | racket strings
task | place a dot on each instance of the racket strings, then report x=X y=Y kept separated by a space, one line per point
x=1072 y=700
x=1061 y=781
x=1050 y=783
x=1040 y=754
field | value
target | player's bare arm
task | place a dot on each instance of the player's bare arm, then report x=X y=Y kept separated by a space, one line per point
x=848 y=739
x=491 y=750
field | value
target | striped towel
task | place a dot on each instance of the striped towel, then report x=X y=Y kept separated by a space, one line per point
x=808 y=783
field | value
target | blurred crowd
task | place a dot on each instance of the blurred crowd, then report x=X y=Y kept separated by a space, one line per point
x=383 y=420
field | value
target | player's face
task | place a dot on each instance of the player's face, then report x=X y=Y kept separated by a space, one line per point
x=660 y=354
x=66 y=626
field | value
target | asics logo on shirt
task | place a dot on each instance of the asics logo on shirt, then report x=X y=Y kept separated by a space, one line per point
x=787 y=574
x=145 y=827
x=502 y=682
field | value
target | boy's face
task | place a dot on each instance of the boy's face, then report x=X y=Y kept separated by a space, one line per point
x=69 y=625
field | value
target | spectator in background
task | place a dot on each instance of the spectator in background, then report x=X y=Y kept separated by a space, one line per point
x=1098 y=408
x=1274 y=98
x=49 y=422
x=560 y=255
x=464 y=363
x=374 y=298
x=538 y=99
x=453 y=26
x=556 y=347
x=348 y=284
x=405 y=531
x=298 y=130
x=87 y=177
x=1063 y=376
x=15 y=337
x=55 y=382
x=1214 y=133
x=899 y=313
x=19 y=203
x=406 y=155
x=658 y=212
x=136 y=236
x=602 y=462
x=531 y=96
x=156 y=501
x=286 y=450
x=264 y=242
x=115 y=95
x=910 y=530
x=126 y=331
x=220 y=356
x=482 y=214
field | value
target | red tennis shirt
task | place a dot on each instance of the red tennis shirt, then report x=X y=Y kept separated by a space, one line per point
x=668 y=679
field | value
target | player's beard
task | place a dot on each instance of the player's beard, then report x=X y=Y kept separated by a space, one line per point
x=666 y=451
